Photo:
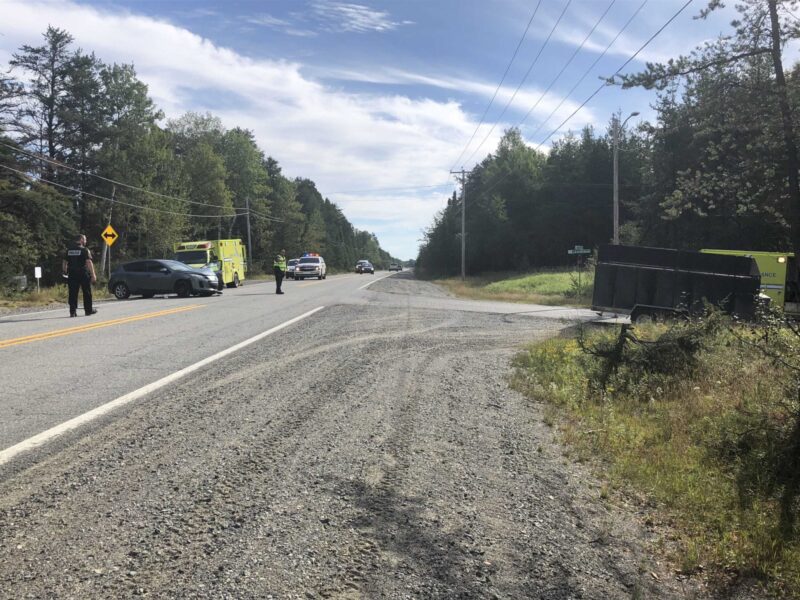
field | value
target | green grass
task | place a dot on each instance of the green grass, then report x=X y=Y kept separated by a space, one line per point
x=701 y=448
x=56 y=294
x=551 y=287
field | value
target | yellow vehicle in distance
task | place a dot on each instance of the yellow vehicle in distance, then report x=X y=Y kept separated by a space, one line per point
x=226 y=258
x=779 y=277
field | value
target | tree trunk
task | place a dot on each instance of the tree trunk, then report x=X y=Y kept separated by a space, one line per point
x=792 y=162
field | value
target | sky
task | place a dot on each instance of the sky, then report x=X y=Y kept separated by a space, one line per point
x=377 y=101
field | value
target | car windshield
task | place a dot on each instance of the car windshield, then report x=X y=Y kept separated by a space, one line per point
x=292 y=262
x=192 y=256
x=175 y=265
x=309 y=260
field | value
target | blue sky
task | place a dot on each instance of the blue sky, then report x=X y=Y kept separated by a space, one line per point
x=371 y=98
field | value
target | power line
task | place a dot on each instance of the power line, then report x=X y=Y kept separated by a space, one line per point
x=389 y=189
x=106 y=179
x=592 y=66
x=597 y=91
x=568 y=63
x=528 y=72
x=499 y=85
x=258 y=214
x=617 y=72
x=114 y=200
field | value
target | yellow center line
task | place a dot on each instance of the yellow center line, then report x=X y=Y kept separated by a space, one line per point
x=81 y=328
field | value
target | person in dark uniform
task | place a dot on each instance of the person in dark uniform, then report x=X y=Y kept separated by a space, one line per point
x=279 y=268
x=79 y=269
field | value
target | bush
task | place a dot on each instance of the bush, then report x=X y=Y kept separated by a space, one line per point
x=702 y=417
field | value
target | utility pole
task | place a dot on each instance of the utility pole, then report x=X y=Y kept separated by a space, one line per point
x=105 y=253
x=249 y=245
x=463 y=174
x=616 y=126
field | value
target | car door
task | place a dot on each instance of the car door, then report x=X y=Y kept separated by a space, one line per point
x=159 y=278
x=136 y=276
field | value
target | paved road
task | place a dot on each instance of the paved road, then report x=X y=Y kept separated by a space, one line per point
x=55 y=368
x=370 y=450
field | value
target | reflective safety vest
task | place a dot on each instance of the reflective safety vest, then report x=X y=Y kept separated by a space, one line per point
x=280 y=263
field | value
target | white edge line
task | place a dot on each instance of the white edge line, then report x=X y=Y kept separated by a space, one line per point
x=44 y=437
x=366 y=285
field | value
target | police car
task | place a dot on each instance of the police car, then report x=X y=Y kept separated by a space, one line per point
x=310 y=264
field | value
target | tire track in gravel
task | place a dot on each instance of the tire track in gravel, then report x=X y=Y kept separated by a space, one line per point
x=393 y=463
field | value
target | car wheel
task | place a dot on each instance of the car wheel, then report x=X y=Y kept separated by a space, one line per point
x=183 y=289
x=148 y=295
x=121 y=291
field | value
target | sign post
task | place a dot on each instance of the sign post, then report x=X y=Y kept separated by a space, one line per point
x=109 y=236
x=37 y=272
x=579 y=251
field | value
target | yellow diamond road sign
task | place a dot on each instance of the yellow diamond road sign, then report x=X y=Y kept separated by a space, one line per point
x=109 y=235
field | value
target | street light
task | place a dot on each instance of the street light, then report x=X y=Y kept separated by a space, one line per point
x=617 y=128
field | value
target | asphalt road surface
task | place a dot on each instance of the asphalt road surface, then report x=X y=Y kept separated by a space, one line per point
x=353 y=438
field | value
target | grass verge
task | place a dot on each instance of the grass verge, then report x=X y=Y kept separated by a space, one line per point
x=57 y=294
x=555 y=287
x=712 y=441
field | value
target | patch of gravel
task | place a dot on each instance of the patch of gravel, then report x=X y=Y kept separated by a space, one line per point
x=6 y=311
x=404 y=283
x=363 y=453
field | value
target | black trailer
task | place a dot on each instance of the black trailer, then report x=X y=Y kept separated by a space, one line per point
x=657 y=282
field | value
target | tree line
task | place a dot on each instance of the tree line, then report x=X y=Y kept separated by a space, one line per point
x=83 y=145
x=717 y=168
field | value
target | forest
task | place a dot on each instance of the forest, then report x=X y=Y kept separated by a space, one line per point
x=717 y=169
x=83 y=145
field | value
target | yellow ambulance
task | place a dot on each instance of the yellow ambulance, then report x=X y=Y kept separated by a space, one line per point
x=226 y=258
x=779 y=277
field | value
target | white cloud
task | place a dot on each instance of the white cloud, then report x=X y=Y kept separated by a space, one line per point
x=266 y=20
x=344 y=16
x=341 y=140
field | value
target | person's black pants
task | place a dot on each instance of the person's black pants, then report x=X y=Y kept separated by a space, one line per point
x=74 y=282
x=278 y=280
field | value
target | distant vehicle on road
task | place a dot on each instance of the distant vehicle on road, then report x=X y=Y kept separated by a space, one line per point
x=227 y=258
x=291 y=265
x=310 y=264
x=395 y=267
x=364 y=266
x=150 y=277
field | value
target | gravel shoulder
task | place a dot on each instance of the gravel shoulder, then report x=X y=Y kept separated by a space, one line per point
x=365 y=453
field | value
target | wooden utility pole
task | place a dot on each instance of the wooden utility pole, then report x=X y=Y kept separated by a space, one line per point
x=105 y=252
x=249 y=244
x=463 y=180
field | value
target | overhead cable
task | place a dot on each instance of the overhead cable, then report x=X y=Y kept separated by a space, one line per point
x=499 y=85
x=106 y=179
x=589 y=70
x=389 y=189
x=528 y=72
x=603 y=85
x=114 y=200
x=567 y=64
x=617 y=72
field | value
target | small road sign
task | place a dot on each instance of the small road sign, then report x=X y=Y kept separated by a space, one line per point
x=109 y=235
x=579 y=250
